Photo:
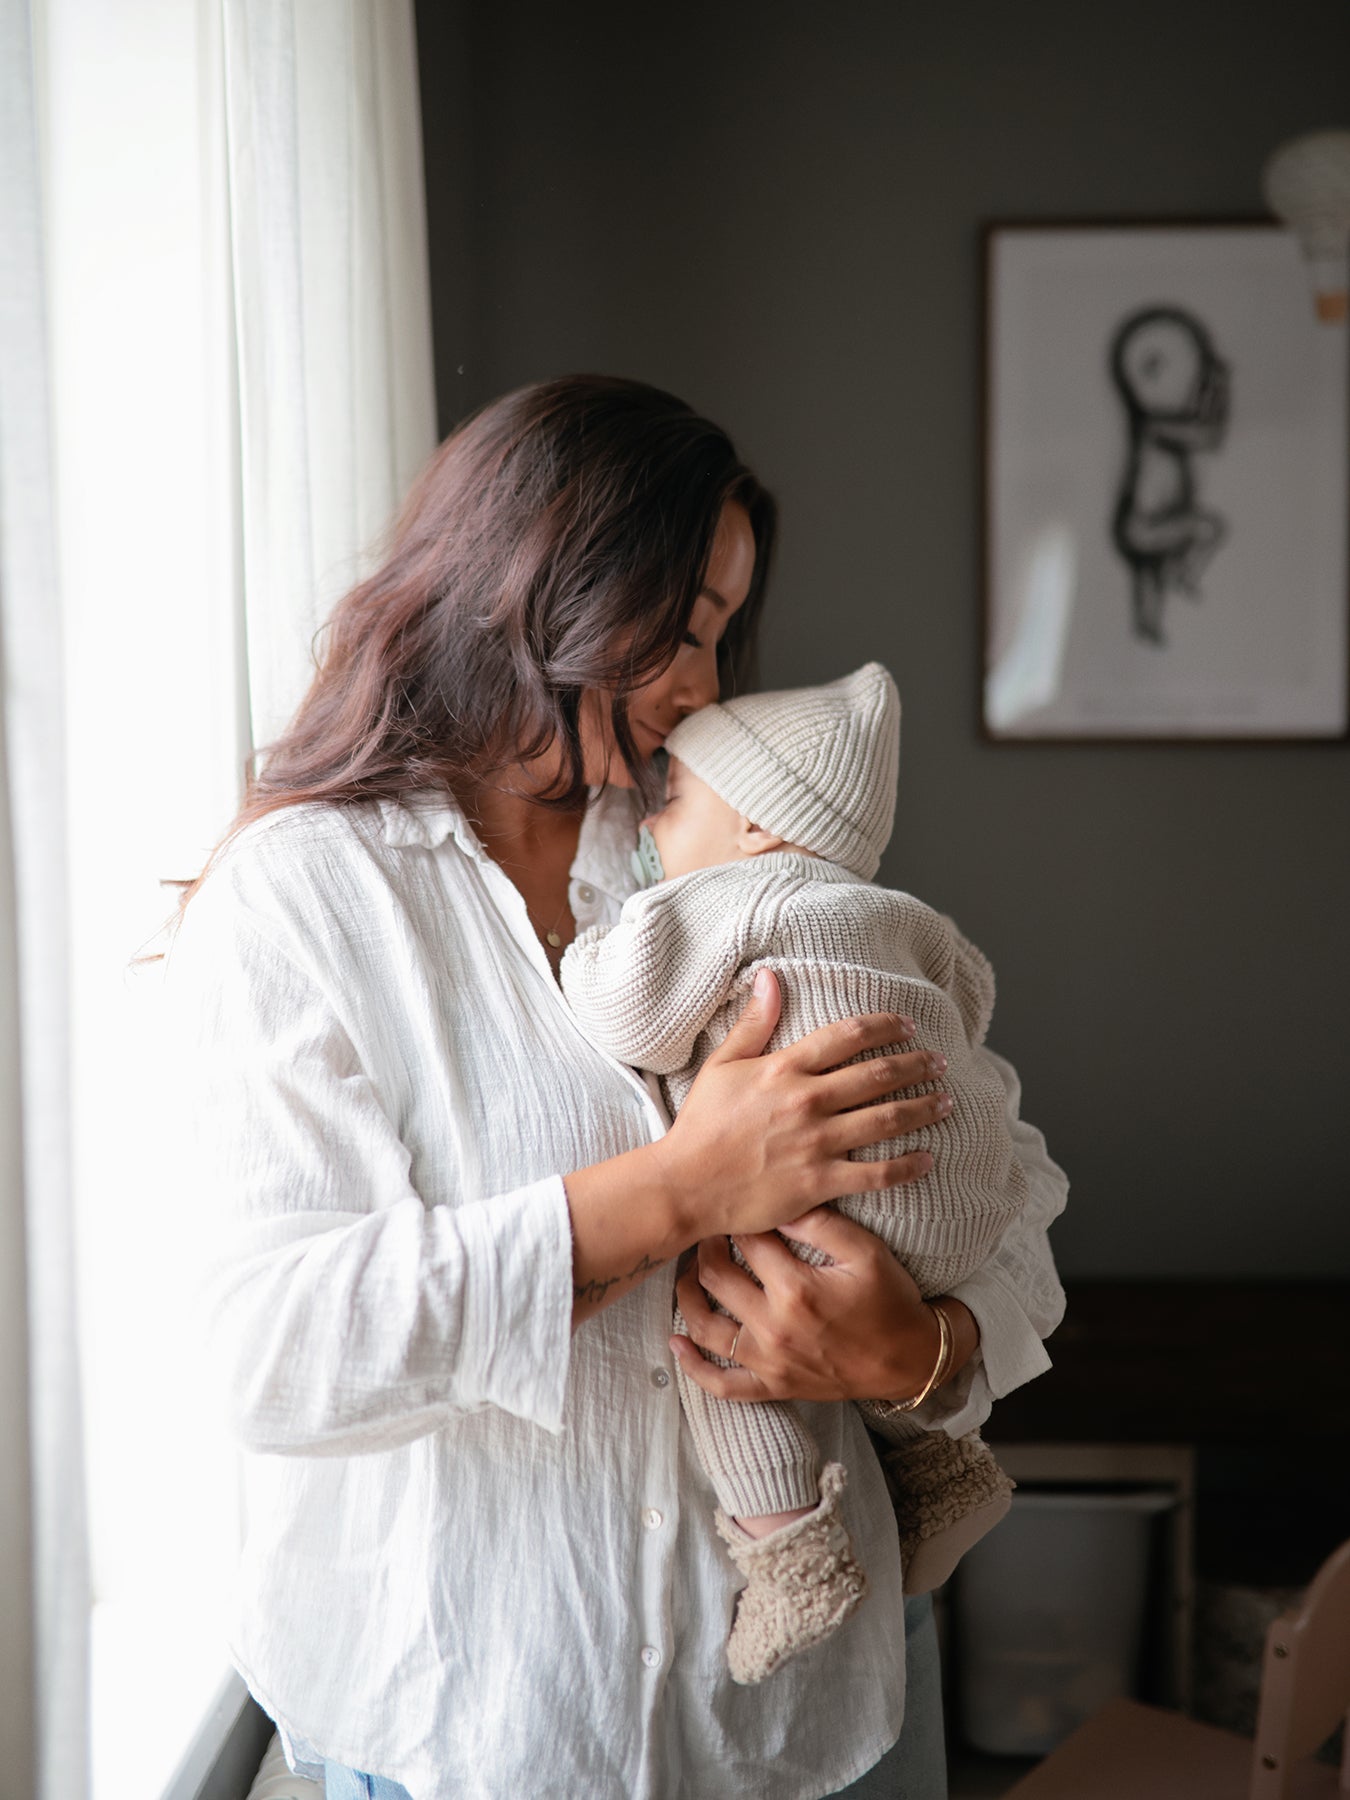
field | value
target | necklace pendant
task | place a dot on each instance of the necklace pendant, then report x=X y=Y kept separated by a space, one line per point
x=553 y=938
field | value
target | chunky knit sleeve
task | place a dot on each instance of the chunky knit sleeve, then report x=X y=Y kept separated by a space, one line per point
x=1016 y=1295
x=645 y=988
x=971 y=985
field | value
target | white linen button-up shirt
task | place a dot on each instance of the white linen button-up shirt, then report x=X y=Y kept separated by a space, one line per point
x=480 y=1557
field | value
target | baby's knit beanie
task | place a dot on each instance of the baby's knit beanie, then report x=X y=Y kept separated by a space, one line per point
x=815 y=765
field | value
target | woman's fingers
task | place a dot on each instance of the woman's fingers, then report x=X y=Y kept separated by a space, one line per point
x=890 y=1119
x=843 y=1241
x=711 y=1330
x=754 y=1028
x=864 y=1083
x=723 y=1384
x=830 y=1045
x=716 y=1333
x=847 y=1177
x=771 y=1261
x=731 y=1287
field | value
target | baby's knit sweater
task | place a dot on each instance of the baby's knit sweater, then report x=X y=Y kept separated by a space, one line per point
x=661 y=989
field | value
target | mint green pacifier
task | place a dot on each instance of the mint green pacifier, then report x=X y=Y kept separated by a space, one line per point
x=646 y=860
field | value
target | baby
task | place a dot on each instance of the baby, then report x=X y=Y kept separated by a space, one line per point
x=777 y=810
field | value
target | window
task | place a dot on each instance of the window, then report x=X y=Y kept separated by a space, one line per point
x=143 y=436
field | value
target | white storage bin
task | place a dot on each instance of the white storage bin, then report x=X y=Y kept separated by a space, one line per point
x=1049 y=1610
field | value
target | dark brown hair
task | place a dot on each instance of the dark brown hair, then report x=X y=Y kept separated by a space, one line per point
x=554 y=545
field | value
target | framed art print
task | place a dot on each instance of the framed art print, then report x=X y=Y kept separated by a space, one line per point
x=1166 y=487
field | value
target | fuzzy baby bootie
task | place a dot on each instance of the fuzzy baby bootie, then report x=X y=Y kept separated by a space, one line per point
x=803 y=1581
x=947 y=1493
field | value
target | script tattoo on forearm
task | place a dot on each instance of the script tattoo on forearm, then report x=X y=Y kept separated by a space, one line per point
x=594 y=1290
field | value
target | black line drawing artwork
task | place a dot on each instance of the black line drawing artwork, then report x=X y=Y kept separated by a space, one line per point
x=1175 y=387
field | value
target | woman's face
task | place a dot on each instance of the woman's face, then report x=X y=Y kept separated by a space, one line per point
x=690 y=681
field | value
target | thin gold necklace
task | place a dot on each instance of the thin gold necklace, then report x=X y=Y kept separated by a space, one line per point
x=551 y=935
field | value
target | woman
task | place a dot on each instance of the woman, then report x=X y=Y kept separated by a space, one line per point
x=470 y=1567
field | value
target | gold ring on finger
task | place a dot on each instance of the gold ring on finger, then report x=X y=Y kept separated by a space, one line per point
x=731 y=1355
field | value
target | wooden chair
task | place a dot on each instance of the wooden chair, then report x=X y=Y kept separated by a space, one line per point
x=1133 y=1752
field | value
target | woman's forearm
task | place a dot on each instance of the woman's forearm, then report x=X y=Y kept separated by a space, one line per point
x=627 y=1220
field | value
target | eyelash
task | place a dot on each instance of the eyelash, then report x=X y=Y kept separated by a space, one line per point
x=691 y=640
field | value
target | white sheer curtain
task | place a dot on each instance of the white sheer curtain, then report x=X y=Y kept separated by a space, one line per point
x=48 y=1607
x=332 y=308
x=240 y=384
x=18 y=1745
x=20 y=310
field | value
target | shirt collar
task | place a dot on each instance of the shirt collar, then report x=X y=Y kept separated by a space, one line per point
x=605 y=847
x=425 y=818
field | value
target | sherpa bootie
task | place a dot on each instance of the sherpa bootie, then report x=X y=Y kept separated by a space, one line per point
x=803 y=1581
x=947 y=1492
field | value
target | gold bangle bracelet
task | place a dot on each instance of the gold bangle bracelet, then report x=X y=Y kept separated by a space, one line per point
x=944 y=1356
x=943 y=1314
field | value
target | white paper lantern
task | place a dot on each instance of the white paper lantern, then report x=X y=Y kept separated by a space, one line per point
x=1307 y=184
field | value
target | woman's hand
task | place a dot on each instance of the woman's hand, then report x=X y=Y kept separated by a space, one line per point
x=854 y=1329
x=760 y=1138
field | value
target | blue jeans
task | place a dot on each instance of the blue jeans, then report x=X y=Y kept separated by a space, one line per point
x=915 y=1768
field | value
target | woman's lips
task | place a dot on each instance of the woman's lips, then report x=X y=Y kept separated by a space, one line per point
x=658 y=738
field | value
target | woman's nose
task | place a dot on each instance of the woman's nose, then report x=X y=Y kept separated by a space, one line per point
x=699 y=685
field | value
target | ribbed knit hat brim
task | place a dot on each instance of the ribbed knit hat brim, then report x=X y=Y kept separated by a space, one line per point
x=816 y=765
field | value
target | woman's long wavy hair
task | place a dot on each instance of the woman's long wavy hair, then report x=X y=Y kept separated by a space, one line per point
x=555 y=545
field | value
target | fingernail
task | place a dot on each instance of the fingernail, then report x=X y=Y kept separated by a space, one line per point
x=677 y=1349
x=936 y=1064
x=944 y=1104
x=925 y=1161
x=762 y=985
x=907 y=1028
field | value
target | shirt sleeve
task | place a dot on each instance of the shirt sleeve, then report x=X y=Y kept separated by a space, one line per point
x=1015 y=1296
x=340 y=1312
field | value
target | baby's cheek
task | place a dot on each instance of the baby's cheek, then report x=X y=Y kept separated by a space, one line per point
x=685 y=850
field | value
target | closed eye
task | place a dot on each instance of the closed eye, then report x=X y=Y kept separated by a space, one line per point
x=692 y=641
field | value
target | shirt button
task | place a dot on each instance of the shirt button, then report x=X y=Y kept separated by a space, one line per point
x=660 y=1378
x=653 y=1519
x=584 y=893
x=651 y=1656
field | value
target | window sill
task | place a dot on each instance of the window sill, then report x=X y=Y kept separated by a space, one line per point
x=223 y=1758
x=164 y=1721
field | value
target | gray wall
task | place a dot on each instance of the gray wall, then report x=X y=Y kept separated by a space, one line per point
x=773 y=209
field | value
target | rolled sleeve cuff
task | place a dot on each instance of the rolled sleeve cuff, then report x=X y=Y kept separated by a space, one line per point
x=515 y=1347
x=1010 y=1350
